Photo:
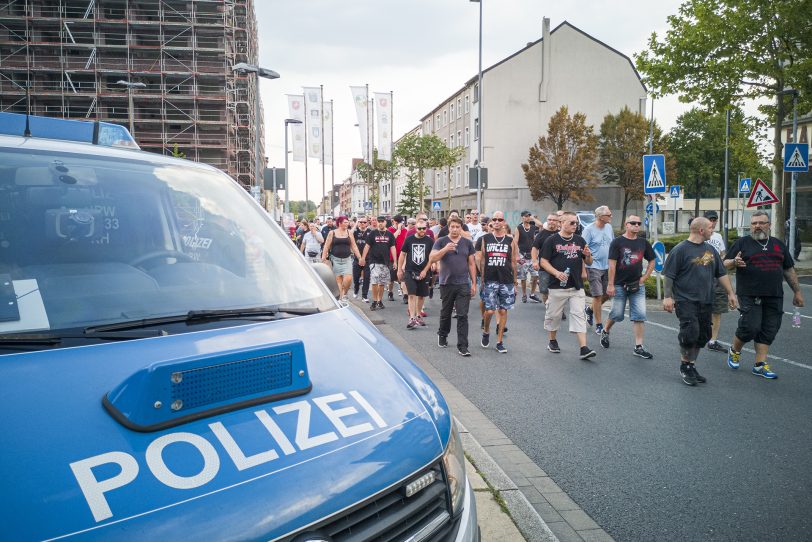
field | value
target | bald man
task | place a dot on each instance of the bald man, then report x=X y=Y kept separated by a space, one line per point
x=690 y=270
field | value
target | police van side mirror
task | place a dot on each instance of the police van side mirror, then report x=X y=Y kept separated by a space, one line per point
x=326 y=274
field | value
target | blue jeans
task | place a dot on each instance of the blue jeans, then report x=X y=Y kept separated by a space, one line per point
x=637 y=304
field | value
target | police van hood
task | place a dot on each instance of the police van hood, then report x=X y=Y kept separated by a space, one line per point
x=70 y=470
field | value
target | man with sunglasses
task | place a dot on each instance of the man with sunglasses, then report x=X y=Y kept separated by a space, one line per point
x=524 y=234
x=498 y=277
x=413 y=259
x=551 y=227
x=562 y=256
x=360 y=273
x=762 y=263
x=627 y=282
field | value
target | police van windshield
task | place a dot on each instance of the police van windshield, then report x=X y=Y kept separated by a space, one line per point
x=88 y=240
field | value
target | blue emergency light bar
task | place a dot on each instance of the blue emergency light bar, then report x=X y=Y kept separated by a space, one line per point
x=97 y=133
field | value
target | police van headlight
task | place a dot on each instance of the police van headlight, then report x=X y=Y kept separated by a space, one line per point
x=454 y=464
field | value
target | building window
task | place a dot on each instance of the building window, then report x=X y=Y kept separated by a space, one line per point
x=459 y=177
x=445 y=180
x=437 y=122
x=445 y=117
x=467 y=136
x=476 y=92
x=467 y=177
x=459 y=108
x=452 y=112
x=452 y=141
x=476 y=129
x=467 y=103
x=459 y=138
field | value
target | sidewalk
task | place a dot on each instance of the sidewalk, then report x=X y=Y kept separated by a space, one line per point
x=513 y=487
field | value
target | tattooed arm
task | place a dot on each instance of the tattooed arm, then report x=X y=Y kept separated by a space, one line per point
x=792 y=279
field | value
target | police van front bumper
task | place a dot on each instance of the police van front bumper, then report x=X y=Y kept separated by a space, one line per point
x=468 y=529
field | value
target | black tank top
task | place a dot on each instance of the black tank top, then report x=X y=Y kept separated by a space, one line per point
x=525 y=240
x=341 y=247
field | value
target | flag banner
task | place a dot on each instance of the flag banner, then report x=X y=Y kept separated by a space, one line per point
x=328 y=132
x=313 y=114
x=383 y=114
x=296 y=111
x=359 y=96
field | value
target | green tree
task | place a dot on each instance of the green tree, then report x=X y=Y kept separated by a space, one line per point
x=563 y=165
x=374 y=173
x=698 y=144
x=177 y=153
x=721 y=52
x=410 y=197
x=623 y=141
x=418 y=153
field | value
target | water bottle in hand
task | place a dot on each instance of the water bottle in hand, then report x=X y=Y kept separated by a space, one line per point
x=566 y=280
x=796 y=318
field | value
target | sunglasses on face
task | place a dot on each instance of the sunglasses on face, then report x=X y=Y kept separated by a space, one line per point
x=498 y=219
x=571 y=222
x=421 y=229
x=633 y=223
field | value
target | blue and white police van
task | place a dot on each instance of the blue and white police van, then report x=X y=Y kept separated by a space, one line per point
x=172 y=369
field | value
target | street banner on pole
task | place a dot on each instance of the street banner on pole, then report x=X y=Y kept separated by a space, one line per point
x=296 y=111
x=359 y=97
x=761 y=195
x=653 y=173
x=383 y=111
x=313 y=112
x=328 y=132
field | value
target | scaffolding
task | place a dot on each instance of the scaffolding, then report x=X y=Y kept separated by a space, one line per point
x=71 y=55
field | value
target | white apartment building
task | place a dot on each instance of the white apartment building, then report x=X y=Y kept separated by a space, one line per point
x=520 y=95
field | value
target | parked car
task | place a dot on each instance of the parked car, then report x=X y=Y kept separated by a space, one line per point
x=172 y=368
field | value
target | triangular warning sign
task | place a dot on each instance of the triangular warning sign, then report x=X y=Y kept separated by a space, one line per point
x=761 y=195
x=796 y=160
x=654 y=179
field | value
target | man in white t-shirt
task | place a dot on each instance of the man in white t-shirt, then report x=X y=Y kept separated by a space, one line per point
x=474 y=228
x=719 y=296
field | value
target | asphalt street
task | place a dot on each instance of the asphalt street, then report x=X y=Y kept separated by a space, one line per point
x=646 y=456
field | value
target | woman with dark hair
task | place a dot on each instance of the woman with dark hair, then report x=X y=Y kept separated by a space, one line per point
x=338 y=247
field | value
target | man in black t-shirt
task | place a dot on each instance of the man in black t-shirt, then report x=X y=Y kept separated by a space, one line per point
x=563 y=255
x=762 y=263
x=524 y=235
x=689 y=272
x=380 y=249
x=498 y=293
x=413 y=259
x=627 y=282
x=551 y=227
x=360 y=273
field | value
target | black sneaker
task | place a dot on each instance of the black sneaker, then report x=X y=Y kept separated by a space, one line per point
x=553 y=347
x=463 y=351
x=716 y=346
x=374 y=306
x=380 y=305
x=534 y=298
x=391 y=296
x=605 y=339
x=598 y=329
x=501 y=348
x=687 y=374
x=699 y=378
x=639 y=351
x=486 y=340
x=587 y=353
x=442 y=342
x=589 y=316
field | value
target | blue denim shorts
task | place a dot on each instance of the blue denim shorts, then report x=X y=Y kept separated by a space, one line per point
x=498 y=296
x=637 y=304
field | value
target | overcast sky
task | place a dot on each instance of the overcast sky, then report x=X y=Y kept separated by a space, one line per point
x=422 y=50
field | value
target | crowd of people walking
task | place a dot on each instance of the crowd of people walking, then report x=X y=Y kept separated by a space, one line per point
x=551 y=263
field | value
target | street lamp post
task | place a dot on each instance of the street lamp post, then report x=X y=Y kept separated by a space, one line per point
x=130 y=86
x=244 y=68
x=287 y=174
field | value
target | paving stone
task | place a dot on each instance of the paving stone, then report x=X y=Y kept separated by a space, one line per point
x=561 y=501
x=477 y=482
x=545 y=484
x=579 y=520
x=530 y=470
x=526 y=518
x=563 y=531
x=595 y=535
x=547 y=512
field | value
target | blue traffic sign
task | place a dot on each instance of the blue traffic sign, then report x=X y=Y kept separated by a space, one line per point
x=796 y=157
x=653 y=173
x=437 y=205
x=645 y=222
x=745 y=185
x=650 y=208
x=674 y=189
x=368 y=205
x=659 y=252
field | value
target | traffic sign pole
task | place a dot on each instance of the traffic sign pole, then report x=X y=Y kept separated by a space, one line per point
x=794 y=176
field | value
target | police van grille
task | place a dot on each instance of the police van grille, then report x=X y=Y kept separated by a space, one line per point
x=392 y=516
x=217 y=383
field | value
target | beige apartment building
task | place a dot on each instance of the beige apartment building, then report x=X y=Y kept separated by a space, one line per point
x=520 y=94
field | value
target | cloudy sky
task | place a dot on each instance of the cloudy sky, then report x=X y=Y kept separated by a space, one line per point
x=422 y=50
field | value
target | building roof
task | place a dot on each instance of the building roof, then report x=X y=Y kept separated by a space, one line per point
x=473 y=79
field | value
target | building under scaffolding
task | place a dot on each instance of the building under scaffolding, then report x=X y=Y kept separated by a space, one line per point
x=75 y=58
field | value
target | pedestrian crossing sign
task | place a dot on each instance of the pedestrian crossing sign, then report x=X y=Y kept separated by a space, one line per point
x=761 y=195
x=744 y=185
x=653 y=173
x=796 y=157
x=674 y=189
x=437 y=205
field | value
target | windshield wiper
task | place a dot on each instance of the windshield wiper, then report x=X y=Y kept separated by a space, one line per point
x=52 y=339
x=197 y=316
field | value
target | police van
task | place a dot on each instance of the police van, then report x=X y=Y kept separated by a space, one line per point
x=172 y=368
